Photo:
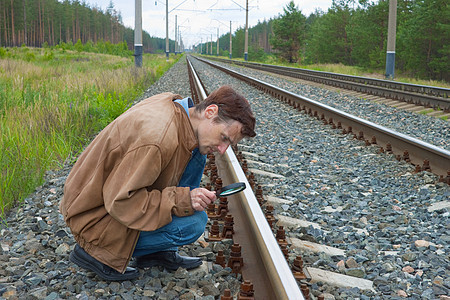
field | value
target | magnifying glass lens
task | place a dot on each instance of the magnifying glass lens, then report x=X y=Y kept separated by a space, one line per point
x=231 y=189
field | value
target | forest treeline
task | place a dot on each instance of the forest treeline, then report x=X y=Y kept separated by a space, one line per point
x=354 y=33
x=351 y=32
x=51 y=22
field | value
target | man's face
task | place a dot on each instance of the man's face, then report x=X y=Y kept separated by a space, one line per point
x=214 y=136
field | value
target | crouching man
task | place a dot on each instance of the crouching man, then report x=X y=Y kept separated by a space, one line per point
x=134 y=191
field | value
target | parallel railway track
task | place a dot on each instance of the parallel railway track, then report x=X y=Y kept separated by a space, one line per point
x=427 y=96
x=421 y=154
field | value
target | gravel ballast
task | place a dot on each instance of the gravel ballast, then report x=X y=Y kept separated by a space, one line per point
x=368 y=204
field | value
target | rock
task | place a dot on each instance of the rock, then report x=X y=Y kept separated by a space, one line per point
x=402 y=293
x=408 y=269
x=10 y=293
x=355 y=272
x=210 y=290
x=327 y=296
x=422 y=244
x=438 y=280
x=52 y=296
x=427 y=294
x=62 y=249
x=114 y=286
x=148 y=293
x=351 y=263
x=384 y=288
x=409 y=256
x=39 y=293
x=380 y=280
x=388 y=267
x=341 y=265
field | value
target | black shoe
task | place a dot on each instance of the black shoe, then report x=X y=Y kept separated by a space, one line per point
x=170 y=260
x=84 y=260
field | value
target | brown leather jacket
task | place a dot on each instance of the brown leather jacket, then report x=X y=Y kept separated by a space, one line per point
x=125 y=180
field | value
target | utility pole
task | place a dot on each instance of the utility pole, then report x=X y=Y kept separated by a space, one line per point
x=230 y=41
x=138 y=33
x=246 y=32
x=390 y=50
x=217 y=41
x=176 y=35
x=201 y=45
x=167 y=30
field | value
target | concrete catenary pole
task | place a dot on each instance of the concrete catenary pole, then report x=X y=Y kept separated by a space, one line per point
x=230 y=41
x=390 y=50
x=167 y=30
x=217 y=41
x=246 y=32
x=138 y=33
x=176 y=35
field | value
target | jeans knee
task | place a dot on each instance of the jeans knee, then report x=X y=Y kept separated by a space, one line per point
x=200 y=224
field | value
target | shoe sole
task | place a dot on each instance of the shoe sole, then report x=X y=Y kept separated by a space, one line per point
x=81 y=263
x=168 y=266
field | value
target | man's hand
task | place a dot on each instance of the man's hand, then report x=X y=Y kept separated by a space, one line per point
x=201 y=197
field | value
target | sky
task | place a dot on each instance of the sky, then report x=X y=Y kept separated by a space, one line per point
x=199 y=19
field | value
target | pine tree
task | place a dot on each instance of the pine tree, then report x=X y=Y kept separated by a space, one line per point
x=289 y=32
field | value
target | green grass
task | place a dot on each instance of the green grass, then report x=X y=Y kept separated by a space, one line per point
x=52 y=101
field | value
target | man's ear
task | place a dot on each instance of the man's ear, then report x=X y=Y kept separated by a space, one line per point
x=211 y=111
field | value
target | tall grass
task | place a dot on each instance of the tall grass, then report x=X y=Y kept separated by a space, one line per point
x=52 y=101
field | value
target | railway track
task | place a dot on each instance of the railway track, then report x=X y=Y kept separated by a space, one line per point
x=411 y=94
x=348 y=211
x=422 y=155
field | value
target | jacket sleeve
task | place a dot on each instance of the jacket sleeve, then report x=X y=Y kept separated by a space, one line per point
x=128 y=200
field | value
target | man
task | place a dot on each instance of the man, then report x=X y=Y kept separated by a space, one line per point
x=124 y=196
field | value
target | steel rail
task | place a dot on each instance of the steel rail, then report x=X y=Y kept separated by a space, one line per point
x=429 y=96
x=264 y=263
x=419 y=151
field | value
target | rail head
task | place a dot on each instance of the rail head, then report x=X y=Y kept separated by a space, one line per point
x=275 y=263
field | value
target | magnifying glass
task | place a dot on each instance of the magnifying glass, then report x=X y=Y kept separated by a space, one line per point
x=231 y=189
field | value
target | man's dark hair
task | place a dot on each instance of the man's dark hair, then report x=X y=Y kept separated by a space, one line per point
x=232 y=106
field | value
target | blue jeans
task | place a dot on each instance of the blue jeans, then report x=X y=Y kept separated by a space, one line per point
x=182 y=230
